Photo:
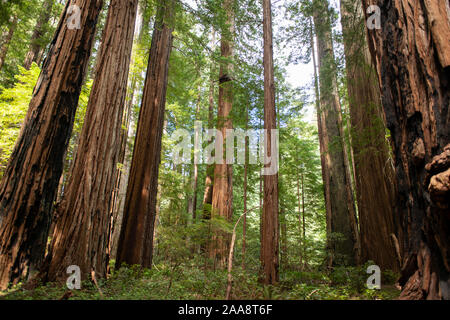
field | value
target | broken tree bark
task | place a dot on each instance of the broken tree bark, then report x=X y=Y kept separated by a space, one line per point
x=411 y=52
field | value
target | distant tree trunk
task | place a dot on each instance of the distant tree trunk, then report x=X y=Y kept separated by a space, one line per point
x=192 y=205
x=118 y=197
x=374 y=174
x=342 y=218
x=300 y=224
x=411 y=52
x=136 y=237
x=222 y=193
x=35 y=47
x=82 y=231
x=244 y=222
x=207 y=197
x=323 y=145
x=6 y=39
x=30 y=182
x=270 y=233
x=125 y=148
x=305 y=260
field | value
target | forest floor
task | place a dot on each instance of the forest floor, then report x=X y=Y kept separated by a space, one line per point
x=189 y=282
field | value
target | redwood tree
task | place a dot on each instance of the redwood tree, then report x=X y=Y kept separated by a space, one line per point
x=341 y=216
x=6 y=39
x=81 y=234
x=270 y=228
x=374 y=173
x=35 y=50
x=411 y=52
x=30 y=182
x=222 y=193
x=136 y=237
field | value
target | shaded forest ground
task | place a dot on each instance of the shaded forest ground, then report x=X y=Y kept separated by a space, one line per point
x=192 y=282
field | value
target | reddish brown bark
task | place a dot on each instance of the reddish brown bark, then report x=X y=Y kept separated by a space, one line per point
x=30 y=182
x=136 y=237
x=270 y=233
x=207 y=196
x=81 y=234
x=374 y=173
x=342 y=217
x=412 y=55
x=222 y=193
x=323 y=144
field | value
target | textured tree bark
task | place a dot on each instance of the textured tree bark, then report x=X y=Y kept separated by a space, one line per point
x=81 y=234
x=222 y=193
x=122 y=174
x=374 y=174
x=6 y=39
x=270 y=233
x=35 y=47
x=411 y=52
x=342 y=218
x=125 y=148
x=323 y=145
x=30 y=182
x=136 y=237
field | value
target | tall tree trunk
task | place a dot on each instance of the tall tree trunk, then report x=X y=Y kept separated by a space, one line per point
x=136 y=237
x=300 y=224
x=207 y=196
x=30 y=182
x=270 y=234
x=374 y=174
x=323 y=146
x=6 y=39
x=305 y=260
x=123 y=173
x=283 y=237
x=192 y=205
x=342 y=217
x=412 y=56
x=222 y=194
x=35 y=47
x=82 y=231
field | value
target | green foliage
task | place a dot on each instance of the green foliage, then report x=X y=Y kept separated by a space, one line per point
x=28 y=12
x=189 y=280
x=13 y=108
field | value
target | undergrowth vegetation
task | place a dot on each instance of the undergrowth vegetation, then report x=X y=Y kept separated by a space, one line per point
x=192 y=282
